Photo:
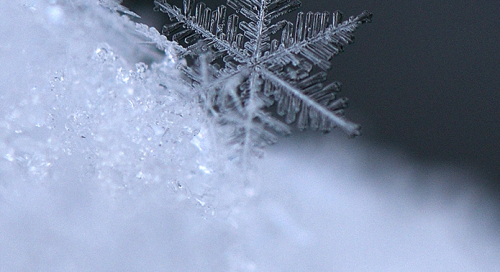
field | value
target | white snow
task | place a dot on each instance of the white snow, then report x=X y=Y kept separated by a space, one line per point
x=103 y=169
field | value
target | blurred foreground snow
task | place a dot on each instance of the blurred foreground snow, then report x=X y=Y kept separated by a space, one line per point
x=102 y=169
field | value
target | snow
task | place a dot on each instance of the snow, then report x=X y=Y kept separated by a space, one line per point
x=103 y=169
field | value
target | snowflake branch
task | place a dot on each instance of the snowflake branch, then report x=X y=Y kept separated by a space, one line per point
x=350 y=128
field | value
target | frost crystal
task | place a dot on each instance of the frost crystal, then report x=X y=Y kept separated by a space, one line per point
x=88 y=105
x=243 y=67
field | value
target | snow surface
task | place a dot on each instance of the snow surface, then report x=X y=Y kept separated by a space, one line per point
x=103 y=169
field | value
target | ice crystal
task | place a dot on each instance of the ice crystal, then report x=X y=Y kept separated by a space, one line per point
x=242 y=67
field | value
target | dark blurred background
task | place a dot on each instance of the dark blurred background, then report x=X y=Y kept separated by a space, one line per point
x=423 y=77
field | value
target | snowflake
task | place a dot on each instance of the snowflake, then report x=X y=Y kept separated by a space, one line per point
x=241 y=68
